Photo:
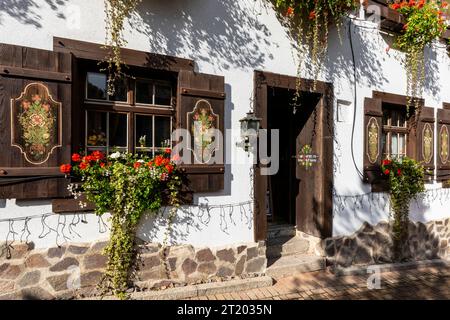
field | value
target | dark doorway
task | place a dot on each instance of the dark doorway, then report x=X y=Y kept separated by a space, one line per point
x=298 y=194
x=290 y=117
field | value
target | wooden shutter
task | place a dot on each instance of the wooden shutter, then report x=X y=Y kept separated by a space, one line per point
x=29 y=167
x=196 y=91
x=443 y=144
x=424 y=141
x=373 y=114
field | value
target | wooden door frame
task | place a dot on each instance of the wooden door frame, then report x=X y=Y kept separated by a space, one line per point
x=263 y=80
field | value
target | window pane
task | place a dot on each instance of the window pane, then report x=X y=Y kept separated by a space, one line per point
x=163 y=95
x=96 y=86
x=402 y=144
x=96 y=128
x=117 y=130
x=394 y=145
x=394 y=119
x=162 y=132
x=144 y=134
x=144 y=92
x=384 y=144
x=121 y=90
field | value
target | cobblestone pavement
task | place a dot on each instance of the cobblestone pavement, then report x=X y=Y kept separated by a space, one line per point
x=425 y=283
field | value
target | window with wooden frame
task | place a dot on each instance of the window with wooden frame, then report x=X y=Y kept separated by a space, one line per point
x=137 y=118
x=390 y=132
x=394 y=132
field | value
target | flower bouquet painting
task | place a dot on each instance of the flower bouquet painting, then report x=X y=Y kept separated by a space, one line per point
x=35 y=123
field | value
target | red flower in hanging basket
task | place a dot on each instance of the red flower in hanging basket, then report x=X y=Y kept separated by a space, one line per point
x=289 y=12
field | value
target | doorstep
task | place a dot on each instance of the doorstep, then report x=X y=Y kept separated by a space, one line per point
x=198 y=290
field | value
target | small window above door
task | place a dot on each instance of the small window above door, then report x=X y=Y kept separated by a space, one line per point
x=97 y=84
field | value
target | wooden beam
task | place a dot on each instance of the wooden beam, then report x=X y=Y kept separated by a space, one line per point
x=98 y=52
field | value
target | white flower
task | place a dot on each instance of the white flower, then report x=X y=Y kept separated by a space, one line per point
x=115 y=155
x=141 y=161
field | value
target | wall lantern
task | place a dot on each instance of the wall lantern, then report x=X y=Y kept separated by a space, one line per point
x=249 y=130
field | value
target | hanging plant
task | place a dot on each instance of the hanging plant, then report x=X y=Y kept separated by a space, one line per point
x=406 y=182
x=424 y=23
x=311 y=20
x=116 y=11
x=127 y=186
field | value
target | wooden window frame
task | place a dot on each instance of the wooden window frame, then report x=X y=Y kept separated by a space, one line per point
x=130 y=108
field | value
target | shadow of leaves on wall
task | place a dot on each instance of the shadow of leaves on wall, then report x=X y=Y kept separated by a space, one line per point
x=26 y=11
x=219 y=32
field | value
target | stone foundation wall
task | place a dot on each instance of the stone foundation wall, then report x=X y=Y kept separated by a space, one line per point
x=373 y=244
x=74 y=270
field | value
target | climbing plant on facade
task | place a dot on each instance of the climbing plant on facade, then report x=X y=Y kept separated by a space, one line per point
x=116 y=11
x=406 y=182
x=424 y=23
x=127 y=186
x=311 y=20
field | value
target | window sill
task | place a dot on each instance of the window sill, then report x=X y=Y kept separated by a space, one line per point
x=70 y=205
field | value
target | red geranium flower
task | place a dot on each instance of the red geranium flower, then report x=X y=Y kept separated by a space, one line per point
x=168 y=150
x=137 y=165
x=84 y=165
x=102 y=164
x=169 y=168
x=65 y=168
x=386 y=162
x=76 y=157
x=386 y=172
x=312 y=15
x=97 y=155
x=399 y=172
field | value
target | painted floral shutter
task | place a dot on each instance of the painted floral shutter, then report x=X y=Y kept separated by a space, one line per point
x=443 y=144
x=35 y=113
x=424 y=142
x=373 y=114
x=200 y=110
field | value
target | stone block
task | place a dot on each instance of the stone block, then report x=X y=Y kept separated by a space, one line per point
x=95 y=261
x=64 y=264
x=151 y=261
x=36 y=293
x=257 y=265
x=56 y=252
x=30 y=279
x=36 y=261
x=204 y=255
x=98 y=247
x=91 y=278
x=77 y=249
x=12 y=272
x=59 y=282
x=208 y=268
x=240 y=265
x=224 y=272
x=189 y=266
x=252 y=253
x=226 y=255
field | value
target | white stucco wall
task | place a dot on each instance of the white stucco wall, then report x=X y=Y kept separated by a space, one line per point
x=233 y=38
